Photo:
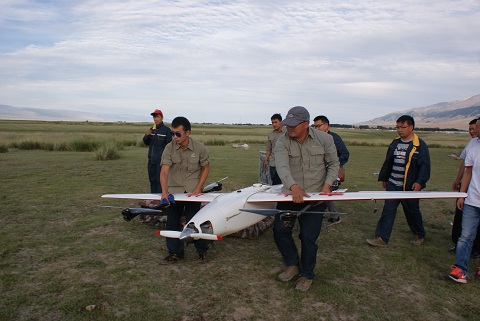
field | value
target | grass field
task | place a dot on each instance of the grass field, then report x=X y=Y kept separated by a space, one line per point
x=60 y=252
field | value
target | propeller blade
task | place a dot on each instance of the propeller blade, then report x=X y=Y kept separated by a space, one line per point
x=171 y=234
x=205 y=236
x=176 y=235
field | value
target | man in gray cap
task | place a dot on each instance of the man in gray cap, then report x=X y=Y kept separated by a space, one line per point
x=306 y=161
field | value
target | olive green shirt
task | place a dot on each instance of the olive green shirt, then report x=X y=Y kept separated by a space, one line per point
x=185 y=165
x=310 y=164
x=272 y=140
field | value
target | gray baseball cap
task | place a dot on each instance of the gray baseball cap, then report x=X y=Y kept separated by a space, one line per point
x=295 y=116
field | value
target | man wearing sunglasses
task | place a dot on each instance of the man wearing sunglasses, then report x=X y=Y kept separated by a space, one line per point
x=306 y=161
x=185 y=168
x=406 y=168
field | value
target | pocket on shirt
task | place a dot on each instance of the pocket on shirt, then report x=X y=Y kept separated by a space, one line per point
x=193 y=164
x=176 y=159
x=294 y=157
x=317 y=156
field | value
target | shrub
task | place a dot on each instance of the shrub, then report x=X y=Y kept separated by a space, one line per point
x=27 y=145
x=107 y=152
x=3 y=148
x=83 y=145
x=215 y=142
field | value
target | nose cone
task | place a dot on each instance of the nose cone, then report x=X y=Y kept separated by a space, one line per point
x=185 y=235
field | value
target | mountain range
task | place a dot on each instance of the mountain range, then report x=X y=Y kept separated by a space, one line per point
x=453 y=114
x=27 y=113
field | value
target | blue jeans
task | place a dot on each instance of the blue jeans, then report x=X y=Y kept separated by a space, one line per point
x=411 y=208
x=154 y=177
x=332 y=207
x=174 y=223
x=274 y=176
x=310 y=226
x=470 y=222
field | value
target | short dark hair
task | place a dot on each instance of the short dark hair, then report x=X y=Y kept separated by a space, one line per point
x=406 y=119
x=324 y=119
x=473 y=121
x=276 y=116
x=181 y=121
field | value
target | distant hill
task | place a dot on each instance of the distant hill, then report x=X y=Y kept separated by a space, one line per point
x=10 y=112
x=453 y=114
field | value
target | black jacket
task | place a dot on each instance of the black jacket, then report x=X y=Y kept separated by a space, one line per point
x=417 y=168
x=157 y=141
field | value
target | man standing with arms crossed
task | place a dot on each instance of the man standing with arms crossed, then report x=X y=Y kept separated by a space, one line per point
x=306 y=161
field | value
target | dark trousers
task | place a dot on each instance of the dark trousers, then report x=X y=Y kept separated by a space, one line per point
x=412 y=212
x=154 y=177
x=457 y=231
x=174 y=223
x=274 y=176
x=310 y=226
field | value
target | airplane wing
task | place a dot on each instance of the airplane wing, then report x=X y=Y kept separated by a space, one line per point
x=184 y=197
x=352 y=196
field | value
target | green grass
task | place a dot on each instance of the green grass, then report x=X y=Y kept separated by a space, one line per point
x=61 y=252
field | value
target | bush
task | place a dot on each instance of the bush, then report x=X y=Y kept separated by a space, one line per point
x=83 y=145
x=107 y=152
x=3 y=148
x=27 y=145
x=215 y=142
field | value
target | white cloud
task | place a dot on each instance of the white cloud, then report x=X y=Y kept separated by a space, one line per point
x=222 y=61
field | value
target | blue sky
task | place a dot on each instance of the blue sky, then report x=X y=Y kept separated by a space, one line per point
x=238 y=61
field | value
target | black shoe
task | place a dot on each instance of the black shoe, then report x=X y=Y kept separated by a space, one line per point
x=171 y=259
x=202 y=257
x=333 y=221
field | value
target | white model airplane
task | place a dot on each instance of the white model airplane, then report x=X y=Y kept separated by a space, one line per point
x=227 y=213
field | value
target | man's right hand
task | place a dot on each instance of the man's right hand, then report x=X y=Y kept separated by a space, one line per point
x=456 y=186
x=148 y=133
x=298 y=194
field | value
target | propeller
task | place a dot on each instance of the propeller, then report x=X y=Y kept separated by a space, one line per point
x=189 y=235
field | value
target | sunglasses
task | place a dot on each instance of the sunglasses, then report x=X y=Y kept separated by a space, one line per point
x=178 y=134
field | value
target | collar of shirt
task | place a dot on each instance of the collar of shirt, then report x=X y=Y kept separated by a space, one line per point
x=189 y=146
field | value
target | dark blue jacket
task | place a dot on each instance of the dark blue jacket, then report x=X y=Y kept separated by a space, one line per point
x=417 y=167
x=157 y=141
x=342 y=151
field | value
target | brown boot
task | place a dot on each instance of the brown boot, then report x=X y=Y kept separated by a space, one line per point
x=303 y=284
x=289 y=273
x=377 y=241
